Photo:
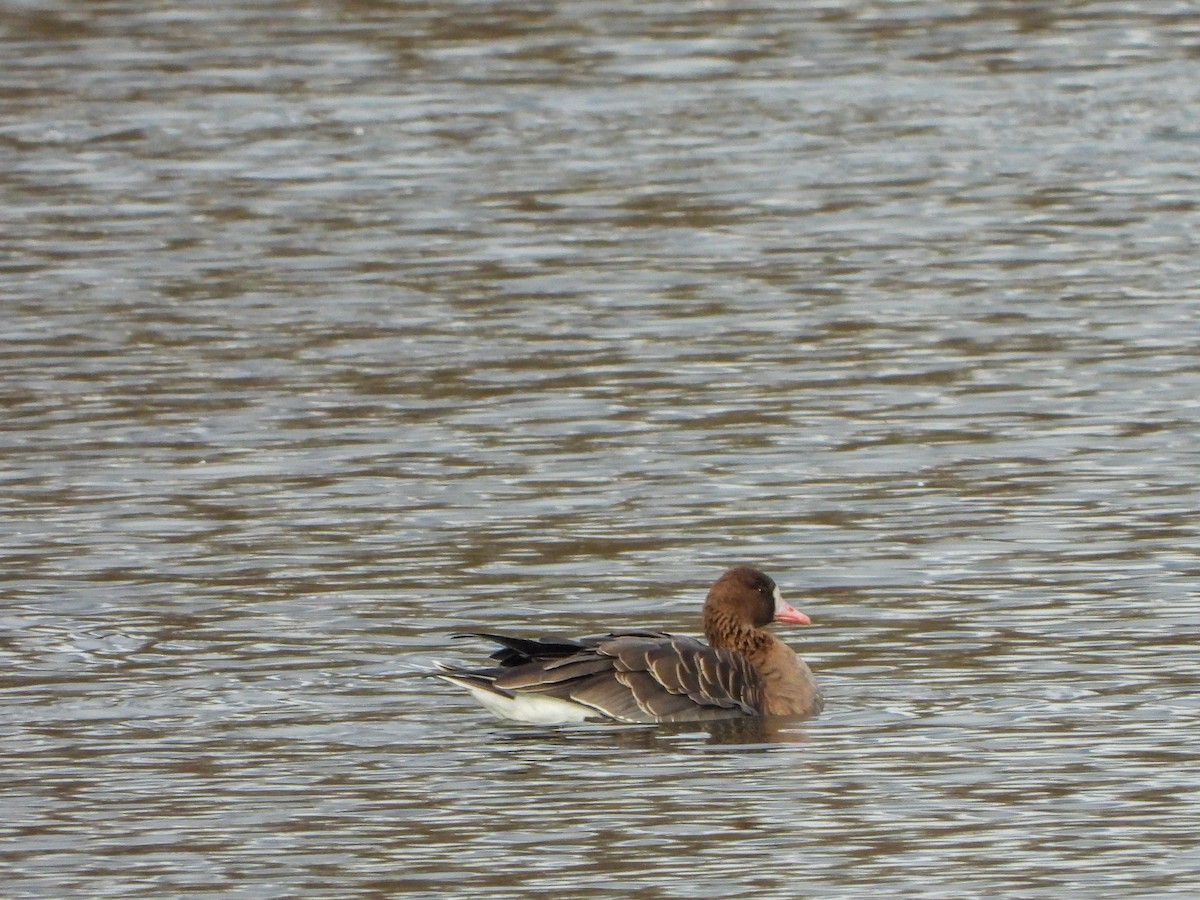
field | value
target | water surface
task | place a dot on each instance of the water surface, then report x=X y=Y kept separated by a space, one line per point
x=332 y=329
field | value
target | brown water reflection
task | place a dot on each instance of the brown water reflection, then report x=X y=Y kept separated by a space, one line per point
x=333 y=329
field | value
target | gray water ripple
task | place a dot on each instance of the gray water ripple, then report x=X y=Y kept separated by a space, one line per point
x=334 y=330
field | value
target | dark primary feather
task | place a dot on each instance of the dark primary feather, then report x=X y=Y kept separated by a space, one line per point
x=633 y=676
x=517 y=651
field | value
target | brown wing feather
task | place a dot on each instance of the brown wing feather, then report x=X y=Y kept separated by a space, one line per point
x=634 y=676
x=607 y=695
x=542 y=676
x=708 y=676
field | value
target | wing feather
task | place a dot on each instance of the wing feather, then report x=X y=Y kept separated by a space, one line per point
x=633 y=676
x=540 y=676
x=680 y=665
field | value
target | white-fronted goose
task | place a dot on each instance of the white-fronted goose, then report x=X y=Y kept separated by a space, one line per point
x=649 y=676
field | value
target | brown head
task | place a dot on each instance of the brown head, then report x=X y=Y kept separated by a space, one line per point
x=744 y=598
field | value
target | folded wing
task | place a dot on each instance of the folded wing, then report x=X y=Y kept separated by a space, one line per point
x=632 y=676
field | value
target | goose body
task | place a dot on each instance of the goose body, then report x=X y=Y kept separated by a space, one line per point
x=651 y=676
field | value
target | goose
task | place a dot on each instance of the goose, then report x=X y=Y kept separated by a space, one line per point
x=652 y=677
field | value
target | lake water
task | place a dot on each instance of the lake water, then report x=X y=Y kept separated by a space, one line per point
x=331 y=329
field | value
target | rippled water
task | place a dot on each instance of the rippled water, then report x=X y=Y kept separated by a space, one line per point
x=331 y=329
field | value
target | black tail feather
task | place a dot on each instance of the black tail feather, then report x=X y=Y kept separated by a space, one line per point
x=516 y=651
